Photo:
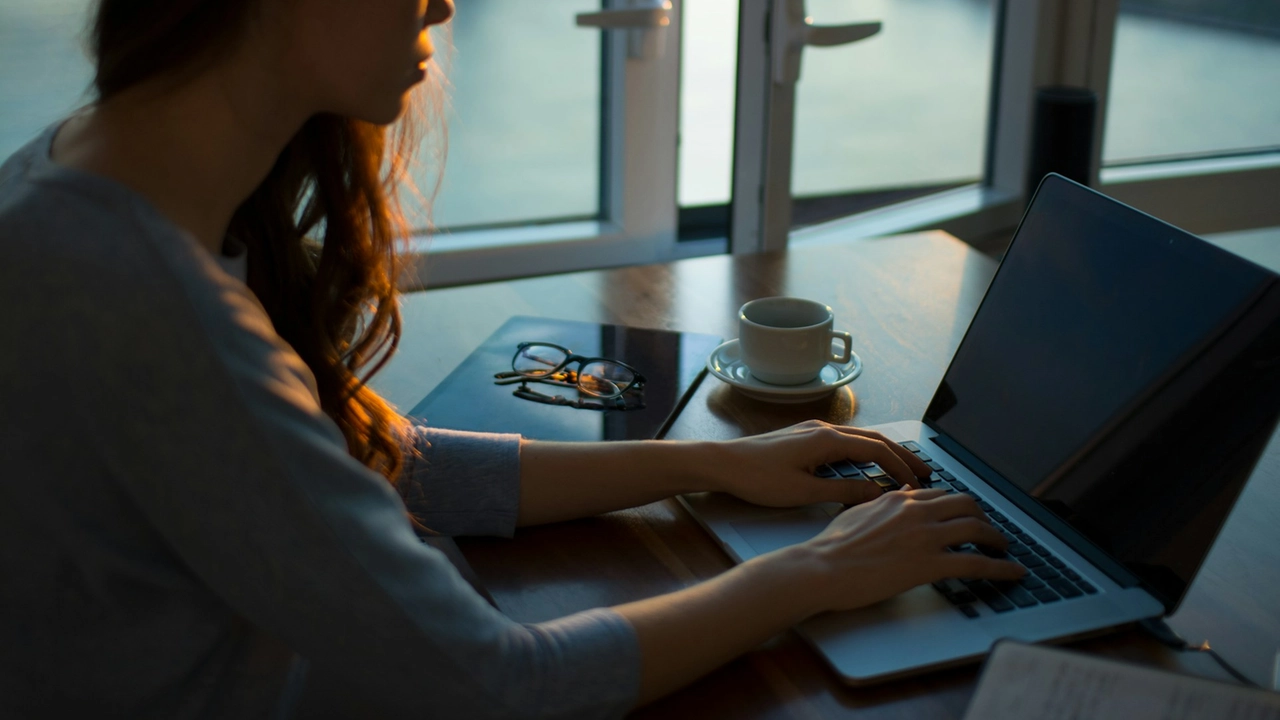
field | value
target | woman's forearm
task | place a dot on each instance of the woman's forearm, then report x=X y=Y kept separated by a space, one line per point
x=562 y=481
x=686 y=634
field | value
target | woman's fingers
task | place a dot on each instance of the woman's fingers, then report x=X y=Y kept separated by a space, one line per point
x=901 y=464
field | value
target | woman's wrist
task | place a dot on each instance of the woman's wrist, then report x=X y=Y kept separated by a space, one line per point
x=795 y=578
x=700 y=465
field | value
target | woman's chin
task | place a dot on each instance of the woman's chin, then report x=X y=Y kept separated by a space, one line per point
x=383 y=113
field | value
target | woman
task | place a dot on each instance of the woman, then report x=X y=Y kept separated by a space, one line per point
x=205 y=491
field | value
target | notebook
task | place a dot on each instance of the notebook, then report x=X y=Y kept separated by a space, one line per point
x=1032 y=681
x=1106 y=406
x=673 y=363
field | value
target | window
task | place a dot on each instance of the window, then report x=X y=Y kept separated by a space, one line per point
x=582 y=139
x=524 y=117
x=43 y=67
x=1217 y=93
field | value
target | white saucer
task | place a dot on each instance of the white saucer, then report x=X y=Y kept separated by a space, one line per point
x=726 y=363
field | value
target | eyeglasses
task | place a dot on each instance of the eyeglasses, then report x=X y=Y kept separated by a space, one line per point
x=598 y=377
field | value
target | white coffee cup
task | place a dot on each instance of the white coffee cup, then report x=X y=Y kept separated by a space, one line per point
x=787 y=341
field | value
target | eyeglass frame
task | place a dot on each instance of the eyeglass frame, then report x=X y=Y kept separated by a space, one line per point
x=629 y=401
x=636 y=385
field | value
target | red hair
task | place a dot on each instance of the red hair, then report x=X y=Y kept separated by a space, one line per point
x=333 y=299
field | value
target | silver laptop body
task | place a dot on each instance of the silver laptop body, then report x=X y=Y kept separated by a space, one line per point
x=1117 y=500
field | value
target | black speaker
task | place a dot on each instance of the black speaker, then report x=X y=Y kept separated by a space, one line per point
x=1062 y=134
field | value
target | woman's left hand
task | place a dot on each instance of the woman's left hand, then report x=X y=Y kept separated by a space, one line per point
x=776 y=468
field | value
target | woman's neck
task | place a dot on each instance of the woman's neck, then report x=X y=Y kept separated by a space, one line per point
x=195 y=150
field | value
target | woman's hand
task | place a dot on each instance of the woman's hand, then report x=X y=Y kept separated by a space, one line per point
x=776 y=469
x=879 y=549
x=867 y=554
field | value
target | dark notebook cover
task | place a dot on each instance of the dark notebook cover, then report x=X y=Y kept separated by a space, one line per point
x=673 y=363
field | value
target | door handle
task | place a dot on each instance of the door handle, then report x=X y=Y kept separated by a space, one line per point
x=790 y=24
x=645 y=22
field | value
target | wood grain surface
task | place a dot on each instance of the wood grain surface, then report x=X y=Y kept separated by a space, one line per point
x=907 y=301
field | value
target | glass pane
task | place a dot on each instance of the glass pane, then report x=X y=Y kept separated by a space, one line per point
x=1193 y=77
x=905 y=108
x=44 y=70
x=524 y=125
x=524 y=120
x=708 y=81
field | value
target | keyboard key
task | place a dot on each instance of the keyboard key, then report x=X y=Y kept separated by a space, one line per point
x=1040 y=550
x=993 y=552
x=1031 y=582
x=921 y=454
x=956 y=483
x=986 y=506
x=1045 y=595
x=1018 y=549
x=845 y=468
x=932 y=465
x=1072 y=574
x=865 y=465
x=968 y=610
x=963 y=598
x=1031 y=562
x=911 y=445
x=1016 y=530
x=874 y=472
x=991 y=596
x=826 y=471
x=886 y=483
x=1046 y=573
x=1085 y=586
x=947 y=476
x=1030 y=541
x=1055 y=562
x=998 y=517
x=949 y=587
x=1064 y=588
x=1019 y=597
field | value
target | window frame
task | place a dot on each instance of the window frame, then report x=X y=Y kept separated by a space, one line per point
x=1037 y=43
x=1071 y=42
x=637 y=221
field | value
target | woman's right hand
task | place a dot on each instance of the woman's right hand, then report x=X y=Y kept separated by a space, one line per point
x=879 y=549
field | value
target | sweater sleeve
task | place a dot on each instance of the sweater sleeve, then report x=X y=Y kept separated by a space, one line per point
x=226 y=452
x=463 y=483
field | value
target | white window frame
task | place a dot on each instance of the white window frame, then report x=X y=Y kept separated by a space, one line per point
x=1038 y=43
x=1071 y=42
x=638 y=218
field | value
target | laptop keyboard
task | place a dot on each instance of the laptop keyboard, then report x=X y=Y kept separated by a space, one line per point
x=1048 y=579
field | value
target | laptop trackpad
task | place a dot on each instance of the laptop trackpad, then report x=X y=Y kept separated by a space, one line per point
x=790 y=527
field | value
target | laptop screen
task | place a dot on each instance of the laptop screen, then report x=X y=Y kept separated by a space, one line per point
x=1123 y=373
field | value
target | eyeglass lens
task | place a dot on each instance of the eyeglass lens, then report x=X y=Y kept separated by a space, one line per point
x=604 y=379
x=538 y=360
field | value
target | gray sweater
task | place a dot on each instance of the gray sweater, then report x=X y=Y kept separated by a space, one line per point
x=182 y=532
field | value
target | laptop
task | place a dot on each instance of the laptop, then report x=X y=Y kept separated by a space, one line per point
x=1106 y=406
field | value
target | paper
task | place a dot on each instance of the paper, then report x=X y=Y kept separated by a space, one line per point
x=1033 y=681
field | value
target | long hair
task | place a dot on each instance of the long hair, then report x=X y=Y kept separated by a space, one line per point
x=333 y=299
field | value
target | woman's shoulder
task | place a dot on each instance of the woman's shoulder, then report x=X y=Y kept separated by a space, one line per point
x=70 y=232
x=52 y=216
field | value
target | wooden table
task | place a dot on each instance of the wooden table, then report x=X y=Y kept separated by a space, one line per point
x=907 y=300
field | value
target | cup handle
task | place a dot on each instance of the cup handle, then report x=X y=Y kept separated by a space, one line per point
x=847 y=355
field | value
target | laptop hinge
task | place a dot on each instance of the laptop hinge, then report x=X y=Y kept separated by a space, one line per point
x=1113 y=568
